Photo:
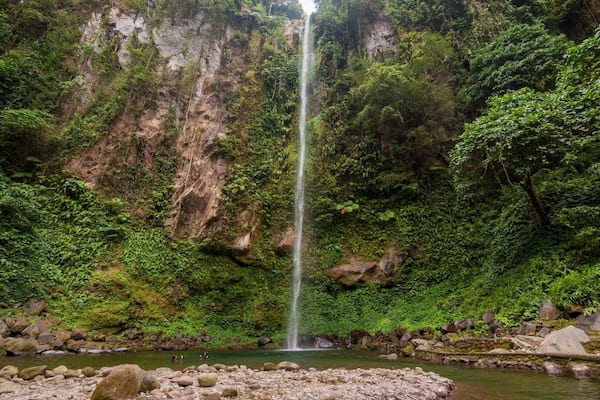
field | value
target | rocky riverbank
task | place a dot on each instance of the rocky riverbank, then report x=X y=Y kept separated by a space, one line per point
x=541 y=345
x=274 y=381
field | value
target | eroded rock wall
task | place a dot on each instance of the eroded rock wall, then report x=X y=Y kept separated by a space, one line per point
x=200 y=65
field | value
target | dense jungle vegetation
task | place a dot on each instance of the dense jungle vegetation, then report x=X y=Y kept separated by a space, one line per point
x=472 y=142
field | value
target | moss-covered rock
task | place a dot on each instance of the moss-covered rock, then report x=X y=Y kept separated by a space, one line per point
x=32 y=372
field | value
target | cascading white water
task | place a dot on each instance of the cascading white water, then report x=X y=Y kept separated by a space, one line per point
x=309 y=8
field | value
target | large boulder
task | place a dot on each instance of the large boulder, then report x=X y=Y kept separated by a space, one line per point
x=369 y=271
x=19 y=346
x=565 y=341
x=123 y=382
x=549 y=311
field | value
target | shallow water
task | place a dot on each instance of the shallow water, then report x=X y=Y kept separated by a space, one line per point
x=473 y=384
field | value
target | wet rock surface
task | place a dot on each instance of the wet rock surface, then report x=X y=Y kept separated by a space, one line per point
x=244 y=383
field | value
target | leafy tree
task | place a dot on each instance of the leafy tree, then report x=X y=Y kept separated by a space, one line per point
x=523 y=56
x=409 y=114
x=525 y=132
x=520 y=134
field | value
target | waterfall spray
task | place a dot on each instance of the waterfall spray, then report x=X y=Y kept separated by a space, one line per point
x=292 y=335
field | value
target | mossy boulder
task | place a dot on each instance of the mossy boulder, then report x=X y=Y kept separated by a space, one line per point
x=32 y=372
x=19 y=346
x=123 y=382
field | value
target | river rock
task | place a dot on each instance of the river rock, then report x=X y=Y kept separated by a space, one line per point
x=229 y=392
x=465 y=324
x=79 y=334
x=265 y=340
x=149 y=383
x=207 y=380
x=357 y=335
x=8 y=372
x=45 y=338
x=60 y=370
x=88 y=372
x=565 y=341
x=488 y=318
x=288 y=366
x=574 y=311
x=32 y=372
x=421 y=344
x=76 y=345
x=323 y=343
x=528 y=329
x=16 y=325
x=553 y=368
x=19 y=346
x=4 y=331
x=579 y=370
x=448 y=328
x=34 y=330
x=549 y=311
x=499 y=351
x=37 y=307
x=123 y=382
x=7 y=387
x=589 y=322
x=71 y=373
x=392 y=356
x=268 y=366
x=544 y=332
x=61 y=337
x=183 y=381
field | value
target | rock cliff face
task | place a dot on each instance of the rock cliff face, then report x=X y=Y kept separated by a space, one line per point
x=381 y=40
x=201 y=65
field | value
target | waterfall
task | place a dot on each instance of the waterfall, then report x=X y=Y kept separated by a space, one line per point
x=292 y=335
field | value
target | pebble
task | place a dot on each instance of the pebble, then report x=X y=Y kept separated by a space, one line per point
x=245 y=383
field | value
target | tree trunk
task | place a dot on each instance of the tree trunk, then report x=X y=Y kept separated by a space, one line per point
x=541 y=216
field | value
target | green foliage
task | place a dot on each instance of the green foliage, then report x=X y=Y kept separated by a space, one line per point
x=578 y=287
x=380 y=140
x=523 y=56
x=347 y=207
x=520 y=134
